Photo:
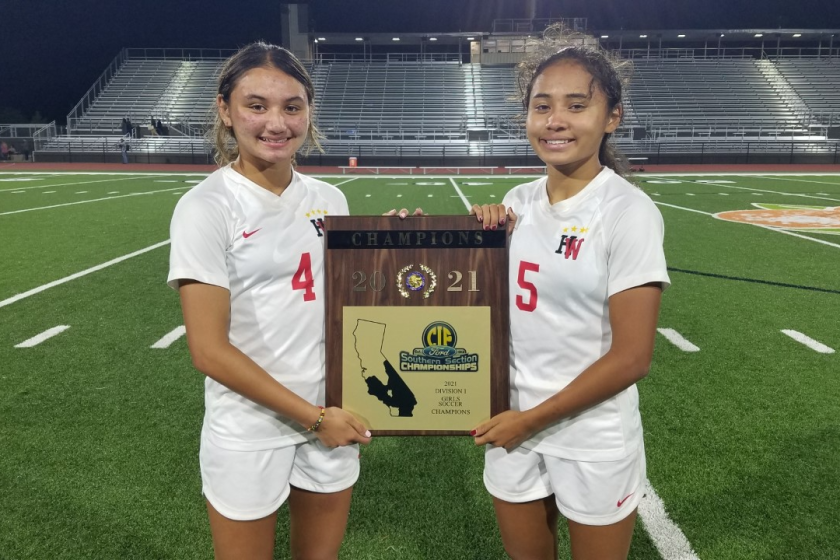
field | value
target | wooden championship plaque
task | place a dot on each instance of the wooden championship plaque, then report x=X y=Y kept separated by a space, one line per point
x=416 y=322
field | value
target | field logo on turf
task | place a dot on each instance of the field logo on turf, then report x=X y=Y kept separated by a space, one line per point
x=815 y=219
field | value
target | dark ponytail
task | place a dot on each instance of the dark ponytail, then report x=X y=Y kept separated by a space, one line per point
x=611 y=157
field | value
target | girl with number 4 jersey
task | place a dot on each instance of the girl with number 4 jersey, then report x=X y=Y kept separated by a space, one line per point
x=247 y=260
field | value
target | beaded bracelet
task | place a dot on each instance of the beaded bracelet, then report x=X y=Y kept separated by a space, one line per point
x=314 y=427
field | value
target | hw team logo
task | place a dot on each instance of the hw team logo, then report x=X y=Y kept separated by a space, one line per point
x=571 y=241
x=317 y=221
x=439 y=352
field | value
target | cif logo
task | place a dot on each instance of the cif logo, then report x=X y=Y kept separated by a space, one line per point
x=440 y=334
x=439 y=352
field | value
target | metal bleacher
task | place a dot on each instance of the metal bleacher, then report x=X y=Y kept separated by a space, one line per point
x=816 y=82
x=708 y=98
x=394 y=100
x=396 y=108
x=496 y=92
x=177 y=92
x=133 y=92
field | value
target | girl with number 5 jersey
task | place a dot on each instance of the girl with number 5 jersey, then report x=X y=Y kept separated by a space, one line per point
x=587 y=270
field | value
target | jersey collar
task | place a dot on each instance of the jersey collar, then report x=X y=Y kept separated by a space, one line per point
x=573 y=202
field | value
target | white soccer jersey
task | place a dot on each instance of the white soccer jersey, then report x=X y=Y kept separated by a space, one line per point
x=566 y=260
x=268 y=251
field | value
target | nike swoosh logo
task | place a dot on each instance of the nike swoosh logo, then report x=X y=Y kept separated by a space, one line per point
x=246 y=235
x=625 y=499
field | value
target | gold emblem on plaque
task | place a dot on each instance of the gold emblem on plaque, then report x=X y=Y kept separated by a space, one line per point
x=416 y=281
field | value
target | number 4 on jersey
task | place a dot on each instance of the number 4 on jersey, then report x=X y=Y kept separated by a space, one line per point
x=302 y=280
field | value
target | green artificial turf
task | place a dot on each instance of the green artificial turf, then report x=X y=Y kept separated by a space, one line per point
x=99 y=432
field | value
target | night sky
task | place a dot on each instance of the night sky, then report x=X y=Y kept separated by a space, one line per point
x=51 y=51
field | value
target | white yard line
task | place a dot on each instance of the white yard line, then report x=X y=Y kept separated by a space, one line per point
x=775 y=178
x=665 y=534
x=678 y=340
x=347 y=181
x=756 y=191
x=671 y=174
x=70 y=184
x=114 y=173
x=170 y=338
x=87 y=201
x=809 y=342
x=66 y=279
x=38 y=339
x=427 y=177
x=682 y=208
x=786 y=232
x=460 y=193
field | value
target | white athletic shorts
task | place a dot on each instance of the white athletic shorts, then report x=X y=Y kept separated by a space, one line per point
x=590 y=493
x=248 y=485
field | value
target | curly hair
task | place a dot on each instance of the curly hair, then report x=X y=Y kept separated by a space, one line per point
x=610 y=74
x=259 y=55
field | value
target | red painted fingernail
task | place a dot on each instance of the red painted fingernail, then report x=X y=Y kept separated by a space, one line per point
x=472 y=433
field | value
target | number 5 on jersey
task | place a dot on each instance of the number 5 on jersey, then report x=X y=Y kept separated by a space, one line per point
x=302 y=280
x=531 y=304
